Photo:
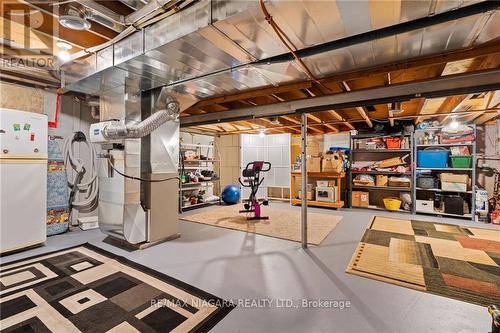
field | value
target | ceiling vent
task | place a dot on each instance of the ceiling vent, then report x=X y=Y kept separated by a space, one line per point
x=73 y=16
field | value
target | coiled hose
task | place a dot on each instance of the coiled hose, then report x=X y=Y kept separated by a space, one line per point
x=89 y=189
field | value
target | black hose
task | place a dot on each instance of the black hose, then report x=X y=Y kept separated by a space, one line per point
x=139 y=178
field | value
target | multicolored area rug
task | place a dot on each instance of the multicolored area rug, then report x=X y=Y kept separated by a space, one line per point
x=86 y=289
x=449 y=260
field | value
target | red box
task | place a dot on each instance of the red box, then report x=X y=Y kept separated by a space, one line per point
x=495 y=217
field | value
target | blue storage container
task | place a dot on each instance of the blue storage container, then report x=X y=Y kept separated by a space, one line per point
x=435 y=158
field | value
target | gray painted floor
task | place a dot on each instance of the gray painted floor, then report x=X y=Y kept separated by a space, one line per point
x=235 y=265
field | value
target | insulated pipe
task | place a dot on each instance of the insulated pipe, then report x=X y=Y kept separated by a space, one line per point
x=118 y=130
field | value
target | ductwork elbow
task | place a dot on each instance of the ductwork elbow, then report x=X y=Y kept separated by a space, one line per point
x=117 y=130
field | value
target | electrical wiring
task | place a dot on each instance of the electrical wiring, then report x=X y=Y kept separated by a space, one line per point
x=139 y=178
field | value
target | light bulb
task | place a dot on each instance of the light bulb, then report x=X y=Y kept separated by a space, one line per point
x=262 y=133
x=63 y=56
x=454 y=124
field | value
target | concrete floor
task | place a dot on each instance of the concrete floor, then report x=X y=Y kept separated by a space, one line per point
x=235 y=265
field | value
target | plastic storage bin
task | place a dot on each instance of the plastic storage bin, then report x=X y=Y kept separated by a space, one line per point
x=461 y=161
x=426 y=181
x=435 y=158
x=454 y=205
x=393 y=143
x=392 y=203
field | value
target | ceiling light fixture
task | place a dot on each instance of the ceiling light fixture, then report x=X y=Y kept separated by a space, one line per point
x=454 y=123
x=73 y=16
x=262 y=133
x=63 y=53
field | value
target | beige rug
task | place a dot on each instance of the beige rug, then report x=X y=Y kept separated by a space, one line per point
x=282 y=223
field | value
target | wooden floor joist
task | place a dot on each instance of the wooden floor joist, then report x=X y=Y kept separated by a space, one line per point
x=360 y=110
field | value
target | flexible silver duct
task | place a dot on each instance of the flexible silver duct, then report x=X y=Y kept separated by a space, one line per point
x=118 y=130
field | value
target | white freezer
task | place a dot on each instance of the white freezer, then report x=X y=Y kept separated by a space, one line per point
x=23 y=179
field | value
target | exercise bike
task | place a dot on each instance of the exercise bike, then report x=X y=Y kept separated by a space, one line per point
x=251 y=175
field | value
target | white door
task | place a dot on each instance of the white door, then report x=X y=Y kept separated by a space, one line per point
x=23 y=209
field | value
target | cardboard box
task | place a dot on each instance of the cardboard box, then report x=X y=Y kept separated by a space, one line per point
x=381 y=180
x=313 y=149
x=309 y=195
x=425 y=206
x=330 y=164
x=454 y=182
x=455 y=187
x=360 y=199
x=313 y=164
x=454 y=178
x=322 y=183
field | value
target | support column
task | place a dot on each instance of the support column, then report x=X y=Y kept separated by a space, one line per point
x=303 y=216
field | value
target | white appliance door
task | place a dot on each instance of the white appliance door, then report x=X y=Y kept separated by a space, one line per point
x=23 y=209
x=22 y=134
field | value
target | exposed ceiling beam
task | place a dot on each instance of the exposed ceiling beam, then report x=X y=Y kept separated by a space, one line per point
x=252 y=94
x=434 y=59
x=333 y=128
x=420 y=107
x=361 y=110
x=487 y=49
x=452 y=104
x=486 y=117
x=443 y=86
x=292 y=120
x=314 y=118
x=296 y=127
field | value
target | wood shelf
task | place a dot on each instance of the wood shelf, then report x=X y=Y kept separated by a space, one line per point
x=315 y=203
x=382 y=208
x=388 y=188
x=374 y=172
x=381 y=150
x=330 y=175
x=324 y=175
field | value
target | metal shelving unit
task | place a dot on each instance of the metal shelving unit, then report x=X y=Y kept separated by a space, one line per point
x=471 y=194
x=383 y=155
x=193 y=165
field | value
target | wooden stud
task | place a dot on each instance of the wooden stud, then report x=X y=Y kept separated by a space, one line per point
x=360 y=110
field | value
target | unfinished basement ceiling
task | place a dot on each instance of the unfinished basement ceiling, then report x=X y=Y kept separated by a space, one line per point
x=214 y=47
x=224 y=55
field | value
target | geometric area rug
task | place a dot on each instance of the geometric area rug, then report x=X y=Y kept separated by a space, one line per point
x=87 y=289
x=448 y=260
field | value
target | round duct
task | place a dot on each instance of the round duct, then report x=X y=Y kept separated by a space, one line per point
x=73 y=16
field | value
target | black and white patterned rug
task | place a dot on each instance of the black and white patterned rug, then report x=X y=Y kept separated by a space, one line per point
x=87 y=289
